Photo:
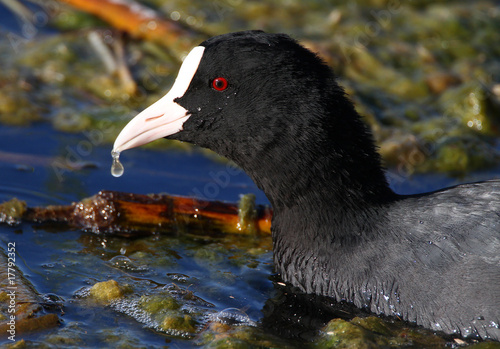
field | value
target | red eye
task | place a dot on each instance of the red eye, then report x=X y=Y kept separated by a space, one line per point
x=219 y=84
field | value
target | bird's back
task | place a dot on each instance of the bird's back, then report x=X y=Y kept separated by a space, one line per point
x=448 y=257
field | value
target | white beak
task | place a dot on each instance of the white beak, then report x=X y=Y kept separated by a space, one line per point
x=165 y=117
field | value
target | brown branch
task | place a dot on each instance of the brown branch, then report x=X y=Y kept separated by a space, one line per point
x=132 y=214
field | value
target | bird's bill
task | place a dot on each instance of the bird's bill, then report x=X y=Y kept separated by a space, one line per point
x=165 y=117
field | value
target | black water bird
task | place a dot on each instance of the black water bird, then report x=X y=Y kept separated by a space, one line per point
x=274 y=108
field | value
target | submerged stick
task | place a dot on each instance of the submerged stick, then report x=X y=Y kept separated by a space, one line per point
x=132 y=214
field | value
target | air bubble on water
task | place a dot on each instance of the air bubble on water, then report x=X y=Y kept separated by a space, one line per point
x=117 y=167
x=232 y=316
x=132 y=308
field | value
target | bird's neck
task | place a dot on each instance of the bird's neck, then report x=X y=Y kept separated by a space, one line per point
x=329 y=196
x=319 y=184
x=319 y=201
x=323 y=169
x=325 y=203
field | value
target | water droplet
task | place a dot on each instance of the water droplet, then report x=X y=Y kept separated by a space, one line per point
x=117 y=167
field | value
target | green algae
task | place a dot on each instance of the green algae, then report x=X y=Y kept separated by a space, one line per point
x=367 y=69
x=67 y=121
x=222 y=336
x=247 y=214
x=178 y=322
x=373 y=332
x=11 y=112
x=469 y=102
x=459 y=155
x=121 y=340
x=157 y=303
x=12 y=211
x=211 y=254
x=166 y=310
x=107 y=291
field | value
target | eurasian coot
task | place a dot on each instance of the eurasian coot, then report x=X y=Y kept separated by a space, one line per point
x=274 y=108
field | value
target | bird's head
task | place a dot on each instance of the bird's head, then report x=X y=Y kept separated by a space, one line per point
x=238 y=93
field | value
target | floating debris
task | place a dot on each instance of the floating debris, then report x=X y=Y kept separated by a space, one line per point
x=107 y=291
x=129 y=214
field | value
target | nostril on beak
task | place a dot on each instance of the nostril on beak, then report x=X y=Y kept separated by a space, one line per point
x=154 y=118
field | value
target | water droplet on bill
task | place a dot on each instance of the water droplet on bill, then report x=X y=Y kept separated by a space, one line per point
x=117 y=167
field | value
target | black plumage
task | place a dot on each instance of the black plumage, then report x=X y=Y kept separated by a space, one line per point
x=338 y=229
